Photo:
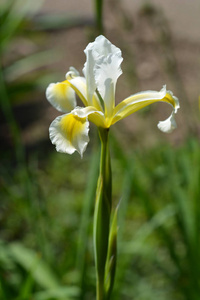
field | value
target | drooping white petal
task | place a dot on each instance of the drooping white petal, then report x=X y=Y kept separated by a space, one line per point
x=61 y=96
x=143 y=99
x=138 y=101
x=168 y=125
x=69 y=133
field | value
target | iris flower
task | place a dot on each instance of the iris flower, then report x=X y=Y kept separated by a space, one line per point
x=96 y=89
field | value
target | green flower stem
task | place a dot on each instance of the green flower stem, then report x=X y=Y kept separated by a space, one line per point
x=99 y=17
x=102 y=213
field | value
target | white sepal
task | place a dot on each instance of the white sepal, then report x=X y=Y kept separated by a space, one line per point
x=168 y=125
x=69 y=133
x=61 y=96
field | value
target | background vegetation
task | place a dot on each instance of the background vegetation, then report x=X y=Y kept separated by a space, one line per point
x=47 y=199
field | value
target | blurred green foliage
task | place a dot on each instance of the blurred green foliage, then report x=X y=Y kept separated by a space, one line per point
x=159 y=217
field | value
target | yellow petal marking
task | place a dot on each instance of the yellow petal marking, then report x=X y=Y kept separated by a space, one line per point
x=135 y=103
x=61 y=96
x=97 y=119
x=72 y=126
x=78 y=92
x=63 y=91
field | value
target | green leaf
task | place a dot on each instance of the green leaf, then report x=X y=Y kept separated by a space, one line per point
x=29 y=64
x=163 y=217
x=61 y=293
x=112 y=256
x=33 y=263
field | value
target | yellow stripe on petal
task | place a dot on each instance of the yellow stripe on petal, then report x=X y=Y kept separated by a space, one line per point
x=78 y=84
x=72 y=126
x=143 y=99
x=61 y=96
x=70 y=133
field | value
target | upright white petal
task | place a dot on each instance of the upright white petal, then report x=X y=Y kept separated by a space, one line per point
x=88 y=71
x=96 y=52
x=78 y=84
x=102 y=47
x=72 y=73
x=106 y=72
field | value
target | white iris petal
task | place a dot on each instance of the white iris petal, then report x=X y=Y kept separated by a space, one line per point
x=88 y=71
x=102 y=55
x=168 y=125
x=143 y=99
x=107 y=71
x=61 y=96
x=69 y=133
x=72 y=73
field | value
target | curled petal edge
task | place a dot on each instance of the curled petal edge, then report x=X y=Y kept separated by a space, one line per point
x=69 y=133
x=168 y=125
